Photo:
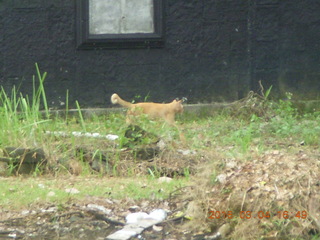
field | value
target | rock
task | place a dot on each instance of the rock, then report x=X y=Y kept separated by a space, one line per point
x=72 y=191
x=157 y=228
x=99 y=208
x=51 y=194
x=146 y=153
x=25 y=160
x=161 y=144
x=222 y=178
x=231 y=163
x=223 y=231
x=25 y=212
x=164 y=179
x=49 y=210
x=134 y=208
x=186 y=152
x=34 y=155
x=192 y=210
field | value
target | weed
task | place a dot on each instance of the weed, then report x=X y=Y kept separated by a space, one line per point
x=251 y=130
x=11 y=168
x=151 y=172
x=285 y=107
x=138 y=97
x=67 y=106
x=186 y=172
x=82 y=122
x=154 y=172
x=37 y=171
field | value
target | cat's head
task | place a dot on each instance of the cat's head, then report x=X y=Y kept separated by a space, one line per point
x=177 y=105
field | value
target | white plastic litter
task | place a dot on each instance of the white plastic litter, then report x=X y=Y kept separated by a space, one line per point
x=158 y=214
x=136 y=217
x=111 y=137
x=137 y=222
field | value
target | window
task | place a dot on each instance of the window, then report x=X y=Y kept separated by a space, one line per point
x=119 y=24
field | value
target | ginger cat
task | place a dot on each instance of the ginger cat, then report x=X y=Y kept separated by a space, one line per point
x=166 y=111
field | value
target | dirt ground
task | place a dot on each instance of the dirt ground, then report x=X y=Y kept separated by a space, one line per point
x=82 y=221
x=267 y=186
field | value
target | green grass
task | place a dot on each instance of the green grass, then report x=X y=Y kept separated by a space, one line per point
x=24 y=120
x=20 y=116
x=240 y=133
x=244 y=134
x=19 y=193
x=23 y=124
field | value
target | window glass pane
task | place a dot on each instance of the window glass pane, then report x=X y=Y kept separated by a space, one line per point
x=121 y=16
x=139 y=16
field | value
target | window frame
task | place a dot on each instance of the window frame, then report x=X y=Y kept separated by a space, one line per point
x=85 y=40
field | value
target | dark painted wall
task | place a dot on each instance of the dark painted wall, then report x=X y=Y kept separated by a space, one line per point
x=215 y=50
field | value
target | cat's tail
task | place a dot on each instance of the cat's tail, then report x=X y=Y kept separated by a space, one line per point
x=115 y=99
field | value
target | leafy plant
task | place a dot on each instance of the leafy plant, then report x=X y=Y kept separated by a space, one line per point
x=285 y=107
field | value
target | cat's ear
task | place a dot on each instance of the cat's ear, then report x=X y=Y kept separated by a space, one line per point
x=184 y=99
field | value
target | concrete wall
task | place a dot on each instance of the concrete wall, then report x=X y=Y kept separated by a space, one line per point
x=215 y=50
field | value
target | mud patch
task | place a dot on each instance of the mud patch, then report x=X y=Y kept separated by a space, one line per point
x=79 y=221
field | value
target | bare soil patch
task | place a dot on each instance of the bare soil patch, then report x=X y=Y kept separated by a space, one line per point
x=273 y=196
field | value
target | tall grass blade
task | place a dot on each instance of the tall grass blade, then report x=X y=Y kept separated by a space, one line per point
x=67 y=105
x=268 y=92
x=41 y=89
x=81 y=117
